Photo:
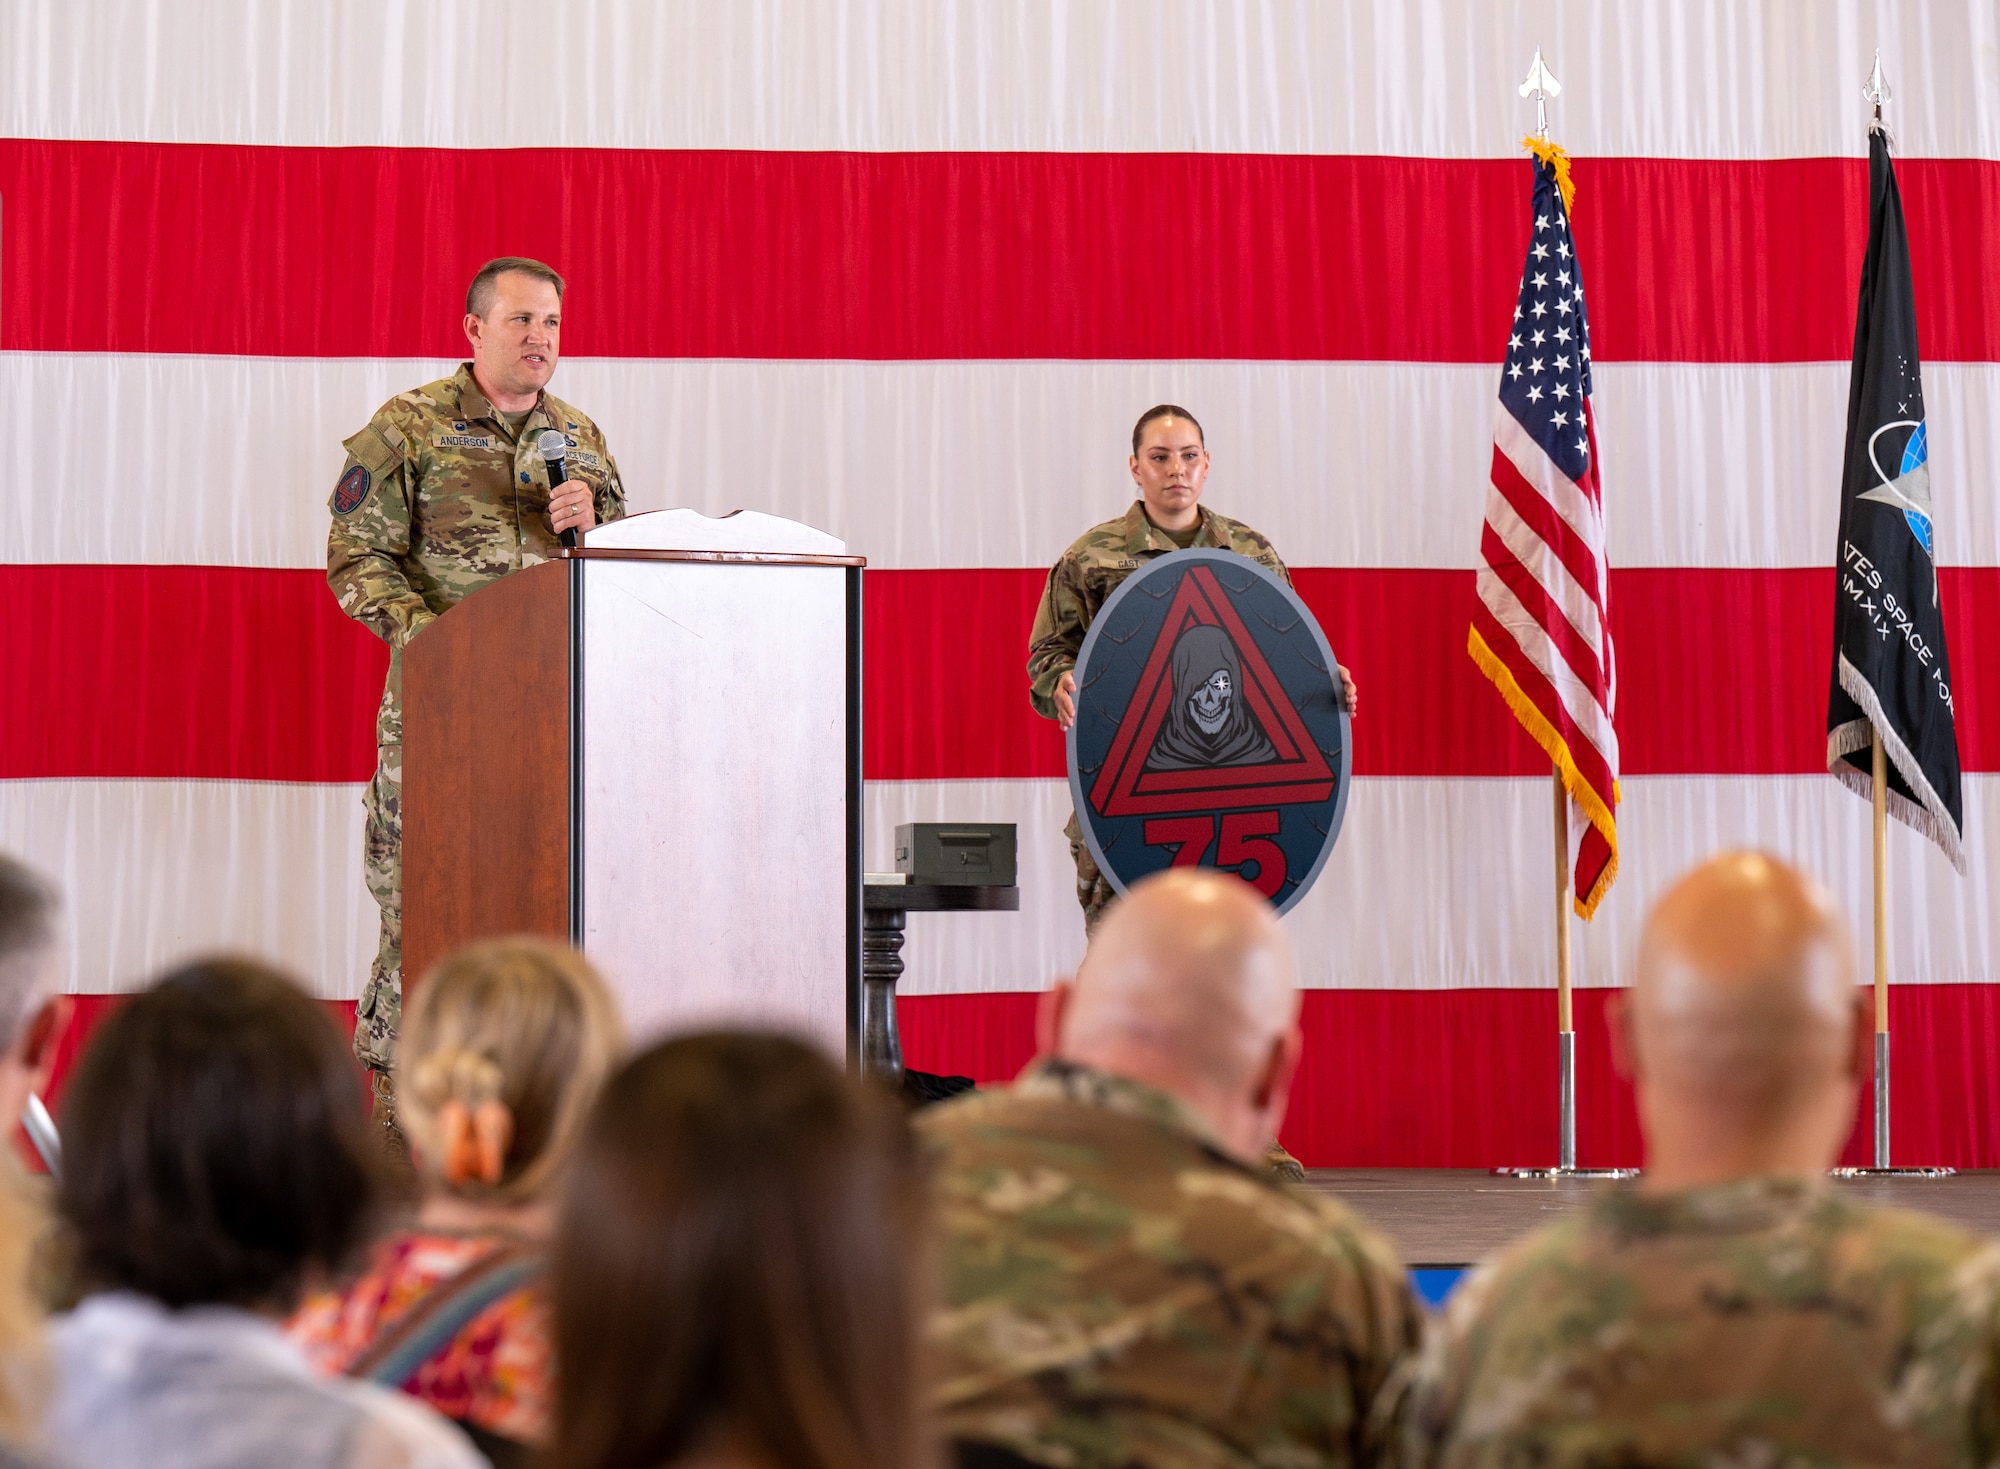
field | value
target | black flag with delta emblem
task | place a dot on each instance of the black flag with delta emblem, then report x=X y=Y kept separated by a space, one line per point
x=1890 y=670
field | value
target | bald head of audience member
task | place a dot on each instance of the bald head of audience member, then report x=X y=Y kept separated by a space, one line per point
x=33 y=1014
x=1743 y=1033
x=1189 y=988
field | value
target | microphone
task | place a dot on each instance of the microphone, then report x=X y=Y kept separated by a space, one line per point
x=554 y=447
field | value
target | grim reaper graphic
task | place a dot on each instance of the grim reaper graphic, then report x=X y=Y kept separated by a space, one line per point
x=1208 y=725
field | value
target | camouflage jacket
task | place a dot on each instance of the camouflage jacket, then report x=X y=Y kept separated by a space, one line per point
x=437 y=498
x=1090 y=571
x=1765 y=1322
x=1121 y=1292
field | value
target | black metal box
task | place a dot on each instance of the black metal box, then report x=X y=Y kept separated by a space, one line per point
x=961 y=853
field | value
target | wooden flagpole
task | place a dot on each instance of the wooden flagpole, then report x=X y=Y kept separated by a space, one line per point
x=1876 y=92
x=1881 y=803
x=1541 y=86
x=1565 y=1014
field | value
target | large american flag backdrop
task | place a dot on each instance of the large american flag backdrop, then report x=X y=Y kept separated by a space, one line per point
x=907 y=270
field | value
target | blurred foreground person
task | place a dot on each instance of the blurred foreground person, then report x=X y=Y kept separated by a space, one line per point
x=1125 y=1283
x=33 y=1018
x=1730 y=1308
x=738 y=1268
x=216 y=1155
x=505 y=1046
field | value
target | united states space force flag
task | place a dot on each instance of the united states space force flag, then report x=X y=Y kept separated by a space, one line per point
x=1890 y=670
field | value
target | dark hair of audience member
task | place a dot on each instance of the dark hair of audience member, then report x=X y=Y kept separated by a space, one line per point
x=216 y=1143
x=738 y=1266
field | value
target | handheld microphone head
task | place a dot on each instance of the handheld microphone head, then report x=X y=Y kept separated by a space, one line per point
x=553 y=448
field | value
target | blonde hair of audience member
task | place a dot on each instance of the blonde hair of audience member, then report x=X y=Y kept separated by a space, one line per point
x=1743 y=1033
x=504 y=1047
x=1188 y=987
x=33 y=1017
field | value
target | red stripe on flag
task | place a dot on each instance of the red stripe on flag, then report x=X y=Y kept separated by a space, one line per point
x=184 y=671
x=1593 y=855
x=1589 y=760
x=1410 y=1078
x=135 y=671
x=1407 y=1078
x=1547 y=612
x=1539 y=514
x=129 y=247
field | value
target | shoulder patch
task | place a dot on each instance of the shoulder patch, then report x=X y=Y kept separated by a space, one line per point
x=352 y=490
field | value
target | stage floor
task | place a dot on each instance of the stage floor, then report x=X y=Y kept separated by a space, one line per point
x=1456 y=1216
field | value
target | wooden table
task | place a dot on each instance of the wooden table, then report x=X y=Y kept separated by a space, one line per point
x=883 y=906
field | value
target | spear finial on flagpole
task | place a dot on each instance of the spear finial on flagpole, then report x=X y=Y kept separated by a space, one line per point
x=1875 y=90
x=1542 y=86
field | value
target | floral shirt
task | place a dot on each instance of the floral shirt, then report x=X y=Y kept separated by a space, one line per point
x=496 y=1374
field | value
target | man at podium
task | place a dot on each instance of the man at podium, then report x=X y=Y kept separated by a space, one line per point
x=444 y=491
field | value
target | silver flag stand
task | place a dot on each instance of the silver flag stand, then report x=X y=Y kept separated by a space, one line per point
x=1875 y=92
x=1880 y=782
x=1566 y=1024
x=1542 y=86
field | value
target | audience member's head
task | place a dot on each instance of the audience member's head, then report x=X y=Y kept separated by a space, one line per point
x=216 y=1148
x=505 y=1045
x=33 y=1015
x=1743 y=1032
x=1188 y=987
x=32 y=1019
x=737 y=1265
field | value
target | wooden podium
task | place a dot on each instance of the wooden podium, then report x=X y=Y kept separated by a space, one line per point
x=651 y=748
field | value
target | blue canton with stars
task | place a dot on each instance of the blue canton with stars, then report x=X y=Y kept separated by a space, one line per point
x=1547 y=375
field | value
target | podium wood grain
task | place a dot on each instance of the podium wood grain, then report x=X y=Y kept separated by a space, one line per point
x=486 y=751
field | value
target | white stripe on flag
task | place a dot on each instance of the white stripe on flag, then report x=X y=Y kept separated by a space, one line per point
x=1564 y=495
x=1589 y=717
x=228 y=461
x=159 y=871
x=1578 y=603
x=1770 y=80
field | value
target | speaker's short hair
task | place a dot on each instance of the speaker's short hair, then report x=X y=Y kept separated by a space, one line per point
x=479 y=295
x=1165 y=410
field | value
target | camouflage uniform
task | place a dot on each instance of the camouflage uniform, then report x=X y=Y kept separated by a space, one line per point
x=1763 y=1322
x=1078 y=585
x=437 y=498
x=1119 y=1291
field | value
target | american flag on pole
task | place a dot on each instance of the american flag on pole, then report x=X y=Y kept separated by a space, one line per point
x=1541 y=628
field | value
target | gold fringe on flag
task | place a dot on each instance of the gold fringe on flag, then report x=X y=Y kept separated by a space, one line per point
x=1557 y=749
x=1558 y=160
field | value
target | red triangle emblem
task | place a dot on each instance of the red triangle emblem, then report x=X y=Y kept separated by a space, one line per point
x=1124 y=787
